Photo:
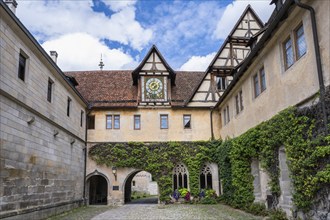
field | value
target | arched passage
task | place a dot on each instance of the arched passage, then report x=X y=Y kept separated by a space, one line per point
x=98 y=190
x=128 y=189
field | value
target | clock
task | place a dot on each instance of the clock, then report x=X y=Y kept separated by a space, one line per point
x=154 y=88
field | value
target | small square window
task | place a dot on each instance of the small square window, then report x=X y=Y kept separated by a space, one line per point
x=137 y=122
x=109 y=122
x=21 y=67
x=116 y=121
x=186 y=121
x=164 y=121
x=91 y=122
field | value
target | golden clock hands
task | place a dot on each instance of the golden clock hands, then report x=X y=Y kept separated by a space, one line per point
x=153 y=86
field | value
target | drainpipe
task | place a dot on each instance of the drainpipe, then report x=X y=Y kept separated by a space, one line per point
x=318 y=61
x=211 y=123
x=85 y=152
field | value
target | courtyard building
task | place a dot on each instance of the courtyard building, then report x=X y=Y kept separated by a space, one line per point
x=50 y=119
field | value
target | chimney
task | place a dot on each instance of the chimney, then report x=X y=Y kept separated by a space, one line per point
x=12 y=4
x=53 y=55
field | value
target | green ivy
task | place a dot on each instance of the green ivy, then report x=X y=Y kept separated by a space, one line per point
x=308 y=159
x=159 y=159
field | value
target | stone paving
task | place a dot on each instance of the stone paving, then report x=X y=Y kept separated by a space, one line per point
x=177 y=212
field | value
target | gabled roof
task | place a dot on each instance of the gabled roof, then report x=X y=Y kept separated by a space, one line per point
x=153 y=49
x=114 y=89
x=247 y=10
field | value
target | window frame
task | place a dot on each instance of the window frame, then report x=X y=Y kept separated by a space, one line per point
x=50 y=90
x=294 y=38
x=106 y=121
x=68 y=108
x=259 y=82
x=115 y=118
x=135 y=119
x=81 y=118
x=296 y=41
x=167 y=122
x=89 y=117
x=239 y=102
x=222 y=81
x=184 y=125
x=22 y=66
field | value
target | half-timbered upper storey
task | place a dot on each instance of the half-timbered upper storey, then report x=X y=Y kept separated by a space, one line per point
x=228 y=59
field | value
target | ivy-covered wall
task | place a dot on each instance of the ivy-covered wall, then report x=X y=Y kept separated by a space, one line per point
x=308 y=158
x=159 y=159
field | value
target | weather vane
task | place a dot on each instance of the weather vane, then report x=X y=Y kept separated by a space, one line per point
x=101 y=65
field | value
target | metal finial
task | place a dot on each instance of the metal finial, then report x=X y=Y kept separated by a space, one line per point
x=101 y=64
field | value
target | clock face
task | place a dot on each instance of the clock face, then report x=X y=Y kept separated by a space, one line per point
x=154 y=88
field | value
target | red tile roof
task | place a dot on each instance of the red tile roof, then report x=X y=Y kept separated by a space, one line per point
x=115 y=88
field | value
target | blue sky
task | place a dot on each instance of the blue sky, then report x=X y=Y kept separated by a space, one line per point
x=187 y=33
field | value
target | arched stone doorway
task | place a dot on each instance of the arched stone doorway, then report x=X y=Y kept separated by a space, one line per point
x=128 y=189
x=98 y=190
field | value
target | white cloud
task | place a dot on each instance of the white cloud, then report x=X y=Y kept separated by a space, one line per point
x=119 y=4
x=51 y=19
x=234 y=10
x=80 y=51
x=198 y=63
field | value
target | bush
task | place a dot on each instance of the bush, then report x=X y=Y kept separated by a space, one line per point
x=183 y=192
x=277 y=214
x=208 y=200
x=257 y=209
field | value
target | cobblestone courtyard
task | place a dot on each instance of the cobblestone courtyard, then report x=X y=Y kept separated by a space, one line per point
x=153 y=211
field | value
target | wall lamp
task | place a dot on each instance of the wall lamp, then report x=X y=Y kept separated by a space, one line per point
x=114 y=172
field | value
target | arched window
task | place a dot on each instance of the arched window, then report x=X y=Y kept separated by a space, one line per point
x=180 y=177
x=205 y=178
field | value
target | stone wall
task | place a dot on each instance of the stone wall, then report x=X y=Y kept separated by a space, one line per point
x=39 y=171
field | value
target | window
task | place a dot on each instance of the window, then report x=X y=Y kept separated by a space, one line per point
x=133 y=183
x=226 y=115
x=21 y=67
x=205 y=178
x=180 y=177
x=186 y=121
x=288 y=52
x=81 y=118
x=109 y=122
x=137 y=122
x=49 y=90
x=164 y=121
x=221 y=83
x=116 y=121
x=259 y=82
x=68 y=107
x=300 y=42
x=294 y=46
x=239 y=102
x=91 y=122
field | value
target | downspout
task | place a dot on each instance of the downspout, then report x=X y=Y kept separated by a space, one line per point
x=211 y=123
x=85 y=151
x=318 y=61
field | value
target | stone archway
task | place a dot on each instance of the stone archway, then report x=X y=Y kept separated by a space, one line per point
x=97 y=190
x=128 y=187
